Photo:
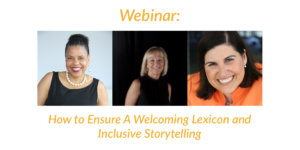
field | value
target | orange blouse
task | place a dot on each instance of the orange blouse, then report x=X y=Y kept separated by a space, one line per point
x=251 y=96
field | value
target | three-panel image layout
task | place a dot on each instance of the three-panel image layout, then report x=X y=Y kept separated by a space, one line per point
x=149 y=68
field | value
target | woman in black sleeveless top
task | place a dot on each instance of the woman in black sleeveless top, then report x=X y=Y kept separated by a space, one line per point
x=152 y=87
x=72 y=87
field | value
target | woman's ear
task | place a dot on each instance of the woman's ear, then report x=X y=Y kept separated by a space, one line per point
x=245 y=57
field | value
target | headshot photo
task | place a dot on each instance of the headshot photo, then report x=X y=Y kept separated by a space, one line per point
x=225 y=68
x=149 y=68
x=74 y=68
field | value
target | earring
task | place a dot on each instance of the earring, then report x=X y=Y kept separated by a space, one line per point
x=89 y=68
x=245 y=65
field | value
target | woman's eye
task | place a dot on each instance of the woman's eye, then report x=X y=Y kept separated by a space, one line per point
x=69 y=58
x=211 y=64
x=228 y=59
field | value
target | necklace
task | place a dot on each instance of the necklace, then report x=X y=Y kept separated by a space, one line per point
x=228 y=103
x=76 y=84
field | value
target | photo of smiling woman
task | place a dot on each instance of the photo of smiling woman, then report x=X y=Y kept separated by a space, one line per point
x=73 y=86
x=152 y=87
x=228 y=74
x=149 y=68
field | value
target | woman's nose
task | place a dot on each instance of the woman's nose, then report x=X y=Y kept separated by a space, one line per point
x=222 y=70
x=76 y=61
x=157 y=63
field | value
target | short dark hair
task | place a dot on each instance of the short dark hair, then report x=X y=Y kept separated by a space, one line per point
x=78 y=40
x=211 y=39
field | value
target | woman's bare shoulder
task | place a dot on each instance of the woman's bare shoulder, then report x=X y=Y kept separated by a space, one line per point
x=100 y=83
x=47 y=77
x=136 y=82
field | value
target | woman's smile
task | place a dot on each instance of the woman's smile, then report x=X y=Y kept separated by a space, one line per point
x=77 y=60
x=75 y=69
x=157 y=68
x=225 y=81
x=224 y=68
x=155 y=64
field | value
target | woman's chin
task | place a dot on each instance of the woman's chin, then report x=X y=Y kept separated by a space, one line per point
x=228 y=90
x=157 y=73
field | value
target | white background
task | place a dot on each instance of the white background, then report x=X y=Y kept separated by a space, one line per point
x=25 y=125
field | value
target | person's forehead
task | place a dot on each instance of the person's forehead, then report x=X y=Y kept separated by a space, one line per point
x=220 y=52
x=156 y=54
x=76 y=50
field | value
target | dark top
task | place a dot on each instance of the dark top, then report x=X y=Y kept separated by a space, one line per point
x=153 y=92
x=60 y=95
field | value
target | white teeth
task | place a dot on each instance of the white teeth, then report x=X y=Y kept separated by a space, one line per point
x=75 y=69
x=226 y=80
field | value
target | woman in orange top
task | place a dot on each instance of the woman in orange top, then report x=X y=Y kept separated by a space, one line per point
x=228 y=74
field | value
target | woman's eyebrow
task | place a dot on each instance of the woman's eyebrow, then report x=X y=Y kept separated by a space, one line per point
x=209 y=62
x=230 y=56
x=75 y=55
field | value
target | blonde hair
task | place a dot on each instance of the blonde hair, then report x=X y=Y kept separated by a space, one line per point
x=149 y=52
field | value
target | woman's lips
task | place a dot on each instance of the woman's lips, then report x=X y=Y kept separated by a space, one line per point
x=157 y=68
x=225 y=81
x=75 y=69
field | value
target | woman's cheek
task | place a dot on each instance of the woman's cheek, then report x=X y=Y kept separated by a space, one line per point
x=210 y=73
x=238 y=67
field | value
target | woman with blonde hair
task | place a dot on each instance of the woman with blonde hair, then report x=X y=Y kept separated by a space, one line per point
x=152 y=87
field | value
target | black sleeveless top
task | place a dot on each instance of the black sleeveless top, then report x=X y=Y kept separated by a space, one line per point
x=153 y=92
x=60 y=95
